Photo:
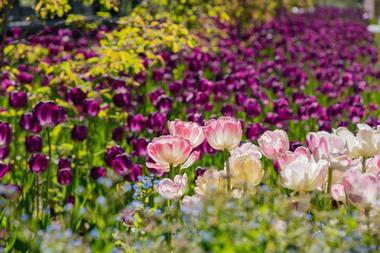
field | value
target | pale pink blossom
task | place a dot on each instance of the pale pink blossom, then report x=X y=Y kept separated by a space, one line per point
x=273 y=143
x=223 y=133
x=366 y=142
x=362 y=189
x=331 y=147
x=169 y=151
x=188 y=130
x=373 y=166
x=245 y=165
x=338 y=193
x=173 y=189
x=300 y=171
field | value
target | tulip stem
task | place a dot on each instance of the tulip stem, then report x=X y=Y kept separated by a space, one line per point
x=228 y=170
x=48 y=176
x=37 y=197
x=329 y=179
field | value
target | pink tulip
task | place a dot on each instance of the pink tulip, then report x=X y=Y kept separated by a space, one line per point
x=190 y=131
x=169 y=151
x=173 y=189
x=362 y=189
x=273 y=143
x=366 y=142
x=331 y=147
x=338 y=193
x=373 y=166
x=223 y=133
x=300 y=171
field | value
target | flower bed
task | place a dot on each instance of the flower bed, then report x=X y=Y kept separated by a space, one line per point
x=150 y=136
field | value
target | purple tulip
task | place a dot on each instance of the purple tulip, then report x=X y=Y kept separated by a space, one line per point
x=33 y=144
x=207 y=149
x=25 y=77
x=122 y=164
x=140 y=147
x=134 y=173
x=228 y=110
x=4 y=152
x=65 y=174
x=29 y=122
x=92 y=107
x=164 y=104
x=70 y=200
x=79 y=133
x=294 y=145
x=49 y=114
x=156 y=122
x=111 y=153
x=5 y=134
x=97 y=172
x=136 y=123
x=117 y=134
x=76 y=96
x=38 y=163
x=252 y=108
x=122 y=100
x=253 y=131
x=4 y=169
x=18 y=99
x=155 y=95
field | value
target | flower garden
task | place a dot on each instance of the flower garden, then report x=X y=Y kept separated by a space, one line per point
x=170 y=131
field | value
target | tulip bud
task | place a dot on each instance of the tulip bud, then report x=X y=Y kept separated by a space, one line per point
x=65 y=173
x=111 y=153
x=38 y=163
x=117 y=134
x=122 y=164
x=92 y=107
x=49 y=114
x=5 y=134
x=139 y=147
x=33 y=144
x=76 y=96
x=18 y=99
x=135 y=173
x=136 y=123
x=29 y=123
x=79 y=133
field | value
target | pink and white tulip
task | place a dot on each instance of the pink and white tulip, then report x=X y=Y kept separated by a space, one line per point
x=173 y=189
x=300 y=172
x=362 y=189
x=245 y=165
x=373 y=166
x=169 y=151
x=338 y=193
x=331 y=147
x=273 y=143
x=188 y=130
x=366 y=142
x=223 y=133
